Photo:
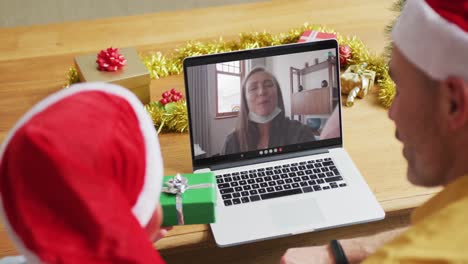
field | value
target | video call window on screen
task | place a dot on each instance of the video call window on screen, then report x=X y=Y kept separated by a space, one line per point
x=294 y=95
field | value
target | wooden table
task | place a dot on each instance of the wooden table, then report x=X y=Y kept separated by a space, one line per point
x=33 y=62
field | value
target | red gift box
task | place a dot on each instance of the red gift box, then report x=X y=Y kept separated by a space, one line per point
x=311 y=35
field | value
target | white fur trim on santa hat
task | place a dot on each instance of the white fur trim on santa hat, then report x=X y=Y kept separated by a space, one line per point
x=149 y=195
x=437 y=47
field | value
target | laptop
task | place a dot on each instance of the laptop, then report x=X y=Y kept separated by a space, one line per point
x=297 y=179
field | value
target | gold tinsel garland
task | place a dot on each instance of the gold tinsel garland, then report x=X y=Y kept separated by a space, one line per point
x=72 y=76
x=160 y=65
x=172 y=117
x=387 y=86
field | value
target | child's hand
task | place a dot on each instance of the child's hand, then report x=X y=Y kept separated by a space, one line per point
x=161 y=233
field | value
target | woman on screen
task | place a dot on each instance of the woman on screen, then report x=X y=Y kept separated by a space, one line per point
x=262 y=122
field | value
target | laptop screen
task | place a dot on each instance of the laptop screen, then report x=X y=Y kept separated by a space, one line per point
x=263 y=102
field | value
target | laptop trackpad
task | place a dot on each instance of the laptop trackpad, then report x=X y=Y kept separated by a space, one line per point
x=296 y=213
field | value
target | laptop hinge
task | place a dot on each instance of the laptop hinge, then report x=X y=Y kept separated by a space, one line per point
x=265 y=159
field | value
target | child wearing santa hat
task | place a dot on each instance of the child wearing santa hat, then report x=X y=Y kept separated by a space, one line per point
x=80 y=177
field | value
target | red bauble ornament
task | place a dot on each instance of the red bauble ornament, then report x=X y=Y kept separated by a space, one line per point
x=163 y=101
x=345 y=54
x=110 y=60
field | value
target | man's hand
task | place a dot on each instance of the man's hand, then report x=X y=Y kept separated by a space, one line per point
x=356 y=249
x=319 y=255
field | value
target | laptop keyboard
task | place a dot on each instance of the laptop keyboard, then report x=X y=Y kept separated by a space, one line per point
x=278 y=181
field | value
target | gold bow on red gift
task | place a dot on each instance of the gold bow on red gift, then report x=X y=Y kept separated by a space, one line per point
x=356 y=81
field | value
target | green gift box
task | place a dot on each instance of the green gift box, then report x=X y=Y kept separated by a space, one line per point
x=196 y=196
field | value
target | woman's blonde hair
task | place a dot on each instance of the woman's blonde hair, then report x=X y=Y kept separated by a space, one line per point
x=246 y=131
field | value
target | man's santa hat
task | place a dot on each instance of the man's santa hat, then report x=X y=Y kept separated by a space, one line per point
x=433 y=35
x=80 y=177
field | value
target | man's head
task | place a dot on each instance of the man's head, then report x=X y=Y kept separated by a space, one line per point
x=430 y=109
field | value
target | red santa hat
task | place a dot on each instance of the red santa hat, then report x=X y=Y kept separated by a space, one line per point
x=433 y=35
x=80 y=177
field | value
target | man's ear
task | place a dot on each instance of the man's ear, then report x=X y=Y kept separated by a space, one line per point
x=455 y=98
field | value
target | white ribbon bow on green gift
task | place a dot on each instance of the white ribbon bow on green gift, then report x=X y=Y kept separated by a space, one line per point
x=178 y=185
